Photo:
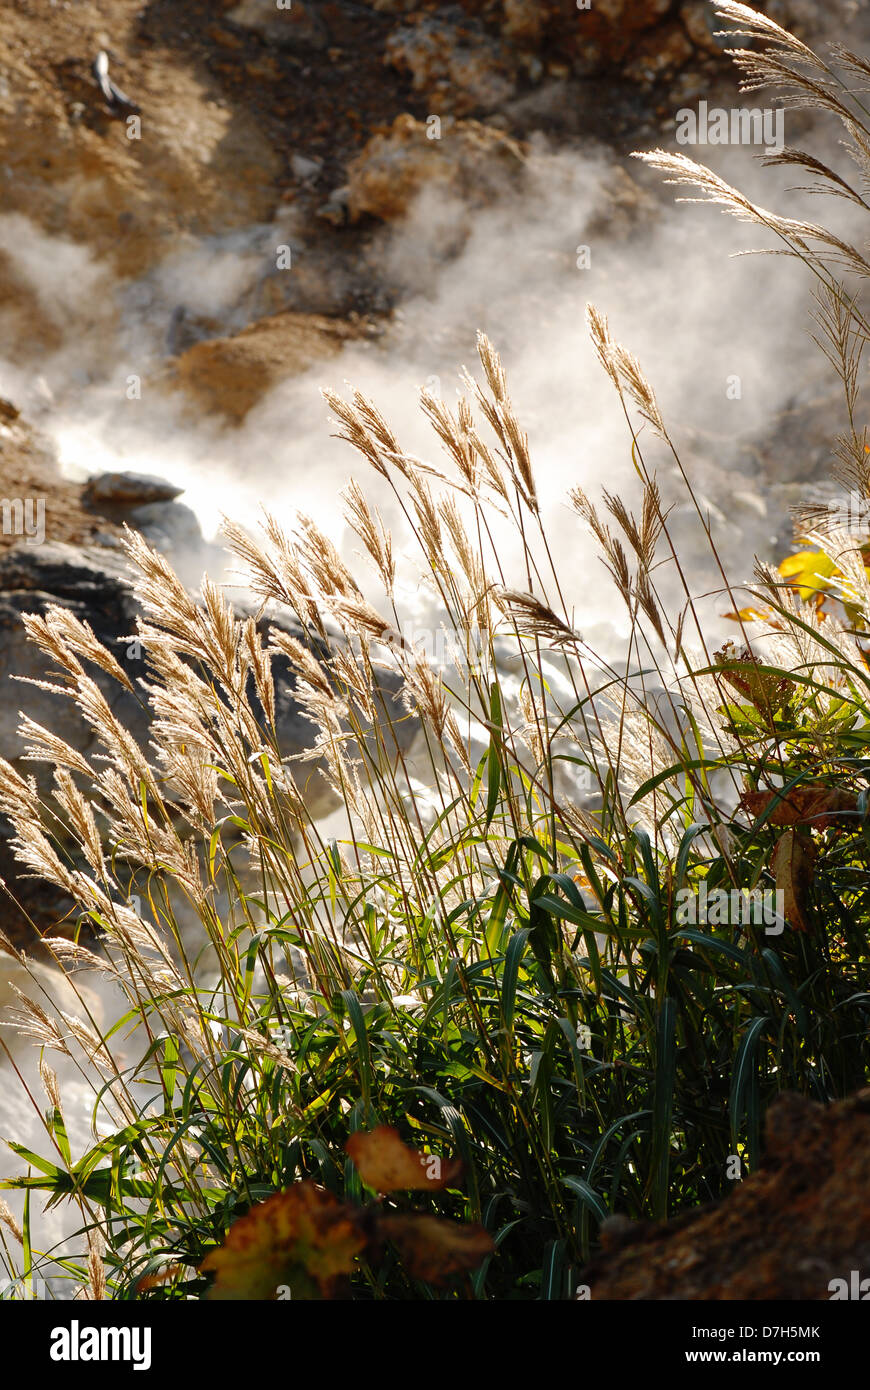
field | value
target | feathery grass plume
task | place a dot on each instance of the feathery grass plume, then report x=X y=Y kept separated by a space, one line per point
x=276 y=573
x=501 y=416
x=78 y=636
x=48 y=747
x=424 y=693
x=428 y=527
x=7 y=1219
x=97 y=1287
x=72 y=954
x=261 y=666
x=354 y=678
x=829 y=249
x=456 y=434
x=160 y=592
x=760 y=26
x=323 y=561
x=469 y=556
x=306 y=665
x=48 y=1077
x=81 y=819
x=533 y=618
x=32 y=1021
x=785 y=62
x=599 y=332
x=368 y=523
x=533 y=729
x=614 y=554
x=645 y=596
x=7 y=946
x=19 y=797
x=360 y=618
x=367 y=431
x=842 y=338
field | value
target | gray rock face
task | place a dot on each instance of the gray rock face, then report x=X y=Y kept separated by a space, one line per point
x=129 y=489
x=93 y=584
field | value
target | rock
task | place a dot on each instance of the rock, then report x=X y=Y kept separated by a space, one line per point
x=523 y=20
x=174 y=530
x=807 y=1203
x=227 y=376
x=621 y=206
x=471 y=160
x=659 y=55
x=335 y=209
x=129 y=489
x=700 y=23
x=291 y=26
x=304 y=168
x=93 y=583
x=452 y=59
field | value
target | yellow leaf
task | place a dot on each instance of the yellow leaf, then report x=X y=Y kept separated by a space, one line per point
x=809 y=571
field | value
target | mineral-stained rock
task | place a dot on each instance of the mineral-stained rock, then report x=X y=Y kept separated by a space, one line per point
x=227 y=376
x=785 y=1232
x=659 y=55
x=470 y=160
x=454 y=62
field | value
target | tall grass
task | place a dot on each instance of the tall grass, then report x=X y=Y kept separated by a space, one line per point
x=492 y=962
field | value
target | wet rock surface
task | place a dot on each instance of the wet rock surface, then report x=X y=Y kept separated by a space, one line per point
x=786 y=1232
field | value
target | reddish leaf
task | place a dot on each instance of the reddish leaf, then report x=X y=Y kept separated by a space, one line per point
x=387 y=1165
x=304 y=1238
x=792 y=861
x=767 y=691
x=434 y=1249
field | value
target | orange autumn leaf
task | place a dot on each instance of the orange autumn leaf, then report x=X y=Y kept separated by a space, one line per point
x=387 y=1165
x=304 y=1238
x=434 y=1249
x=752 y=615
x=812 y=804
x=160 y=1276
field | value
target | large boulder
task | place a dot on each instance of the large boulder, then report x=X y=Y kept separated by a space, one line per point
x=93 y=583
x=787 y=1231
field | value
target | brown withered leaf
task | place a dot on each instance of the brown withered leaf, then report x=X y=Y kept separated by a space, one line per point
x=792 y=864
x=386 y=1164
x=767 y=691
x=434 y=1249
x=304 y=1238
x=811 y=804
